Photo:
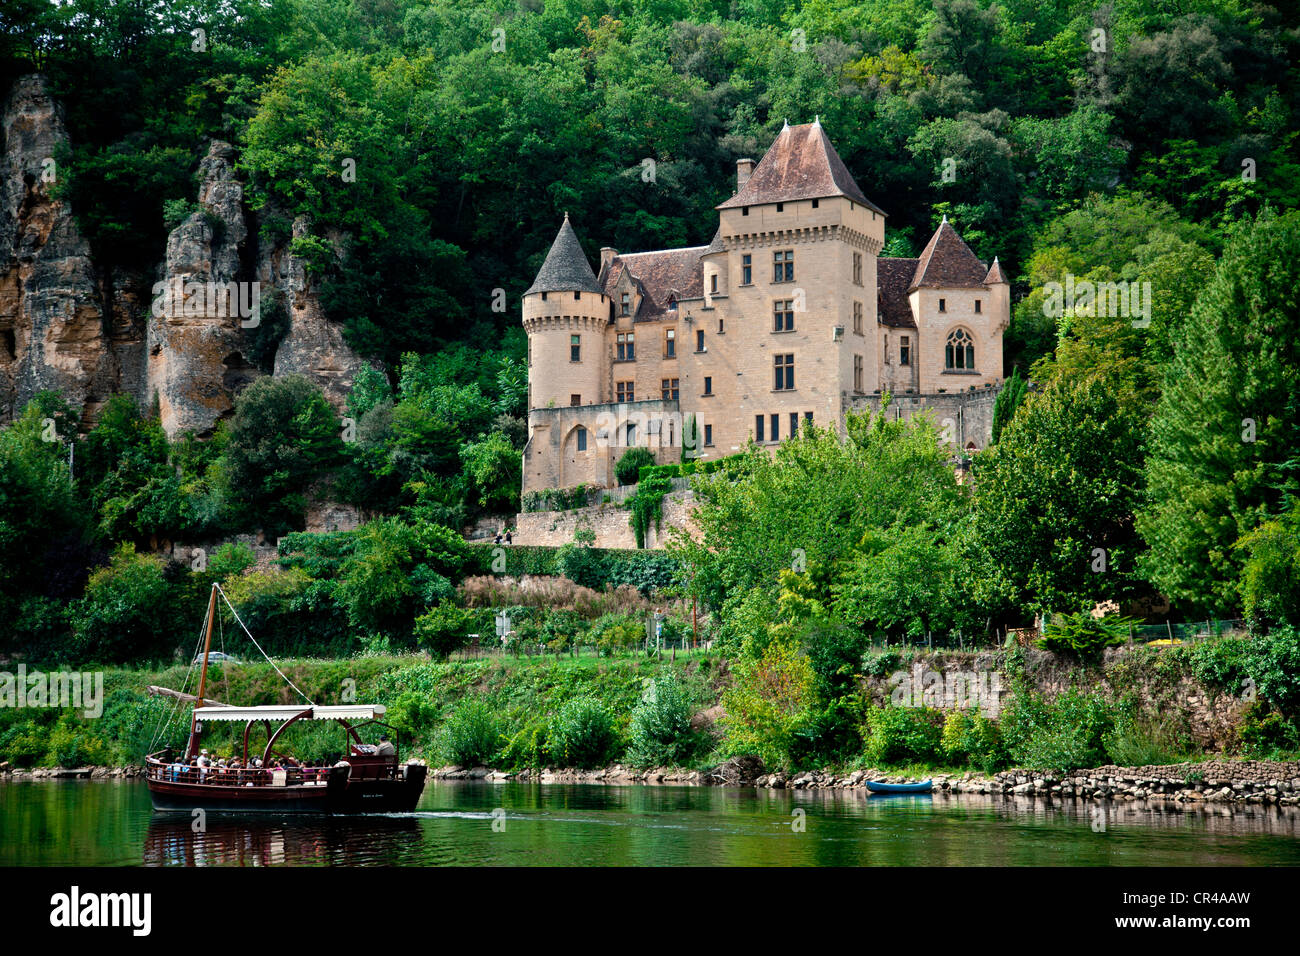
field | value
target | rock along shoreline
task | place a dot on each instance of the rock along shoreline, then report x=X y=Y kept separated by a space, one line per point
x=1214 y=781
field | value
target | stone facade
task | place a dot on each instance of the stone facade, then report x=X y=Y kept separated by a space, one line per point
x=788 y=316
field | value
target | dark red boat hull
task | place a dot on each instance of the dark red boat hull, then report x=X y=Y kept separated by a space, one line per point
x=397 y=794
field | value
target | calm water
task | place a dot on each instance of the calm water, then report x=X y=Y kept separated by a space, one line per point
x=110 y=823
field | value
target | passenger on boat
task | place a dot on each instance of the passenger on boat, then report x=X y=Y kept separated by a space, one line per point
x=385 y=748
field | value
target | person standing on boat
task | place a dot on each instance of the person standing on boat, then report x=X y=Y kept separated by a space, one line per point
x=385 y=748
x=204 y=762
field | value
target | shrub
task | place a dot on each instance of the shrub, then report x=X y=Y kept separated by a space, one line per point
x=131 y=610
x=660 y=729
x=882 y=664
x=1273 y=663
x=582 y=734
x=1059 y=735
x=1266 y=734
x=444 y=628
x=1084 y=635
x=971 y=738
x=470 y=736
x=528 y=747
x=615 y=632
x=628 y=469
x=902 y=734
x=1141 y=740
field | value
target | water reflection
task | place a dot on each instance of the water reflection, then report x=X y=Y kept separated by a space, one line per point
x=293 y=841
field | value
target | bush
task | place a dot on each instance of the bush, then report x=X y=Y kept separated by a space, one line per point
x=1265 y=734
x=1059 y=735
x=971 y=738
x=470 y=737
x=903 y=735
x=616 y=632
x=582 y=734
x=1273 y=663
x=528 y=747
x=444 y=628
x=131 y=610
x=628 y=469
x=1084 y=635
x=660 y=730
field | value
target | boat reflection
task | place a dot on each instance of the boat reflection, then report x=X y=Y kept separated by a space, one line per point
x=282 y=841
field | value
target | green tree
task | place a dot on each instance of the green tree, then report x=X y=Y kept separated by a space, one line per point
x=283 y=437
x=1054 y=500
x=1227 y=425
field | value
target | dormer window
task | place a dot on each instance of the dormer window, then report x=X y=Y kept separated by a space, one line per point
x=625 y=305
x=672 y=303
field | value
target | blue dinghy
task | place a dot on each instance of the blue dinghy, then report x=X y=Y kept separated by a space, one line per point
x=925 y=786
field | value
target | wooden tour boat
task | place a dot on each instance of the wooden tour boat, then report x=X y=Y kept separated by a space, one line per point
x=369 y=779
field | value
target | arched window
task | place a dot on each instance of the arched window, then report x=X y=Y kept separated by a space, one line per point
x=960 y=353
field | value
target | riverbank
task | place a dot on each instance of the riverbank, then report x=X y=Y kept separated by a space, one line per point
x=1214 y=781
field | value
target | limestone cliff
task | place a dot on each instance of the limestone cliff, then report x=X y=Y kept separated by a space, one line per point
x=52 y=333
x=179 y=332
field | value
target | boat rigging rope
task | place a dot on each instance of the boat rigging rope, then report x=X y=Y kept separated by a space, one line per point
x=161 y=728
x=259 y=646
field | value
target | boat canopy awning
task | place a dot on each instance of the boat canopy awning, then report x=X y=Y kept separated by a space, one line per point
x=289 y=711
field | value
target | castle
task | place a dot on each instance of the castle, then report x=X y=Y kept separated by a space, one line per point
x=788 y=316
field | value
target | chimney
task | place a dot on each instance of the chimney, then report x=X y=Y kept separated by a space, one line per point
x=744 y=168
x=607 y=254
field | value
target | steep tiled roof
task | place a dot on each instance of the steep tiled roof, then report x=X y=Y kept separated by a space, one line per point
x=948 y=263
x=893 y=277
x=659 y=276
x=716 y=244
x=566 y=268
x=995 y=273
x=800 y=164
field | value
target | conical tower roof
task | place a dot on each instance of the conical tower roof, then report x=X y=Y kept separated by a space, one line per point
x=566 y=268
x=947 y=262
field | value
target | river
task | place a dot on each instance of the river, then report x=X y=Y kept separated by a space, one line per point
x=110 y=823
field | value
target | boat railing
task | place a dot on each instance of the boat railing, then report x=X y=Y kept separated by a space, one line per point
x=237 y=776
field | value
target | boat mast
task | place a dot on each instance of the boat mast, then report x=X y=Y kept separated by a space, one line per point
x=203 y=674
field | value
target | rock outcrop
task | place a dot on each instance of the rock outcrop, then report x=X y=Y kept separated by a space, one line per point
x=52 y=333
x=196 y=342
x=313 y=346
x=182 y=332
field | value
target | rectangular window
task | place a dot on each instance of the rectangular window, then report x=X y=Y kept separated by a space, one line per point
x=708 y=434
x=582 y=438
x=814 y=203
x=626 y=346
x=713 y=283
x=905 y=351
x=758 y=428
x=776 y=427
x=575 y=400
x=575 y=348
x=977 y=306
x=708 y=385
x=699 y=340
x=669 y=389
x=624 y=391
x=746 y=270
x=783 y=266
x=857 y=317
x=857 y=268
x=783 y=315
x=794 y=424
x=626 y=307
x=670 y=343
x=719 y=326
x=857 y=373
x=784 y=365
x=780 y=207
x=807 y=417
x=943 y=305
